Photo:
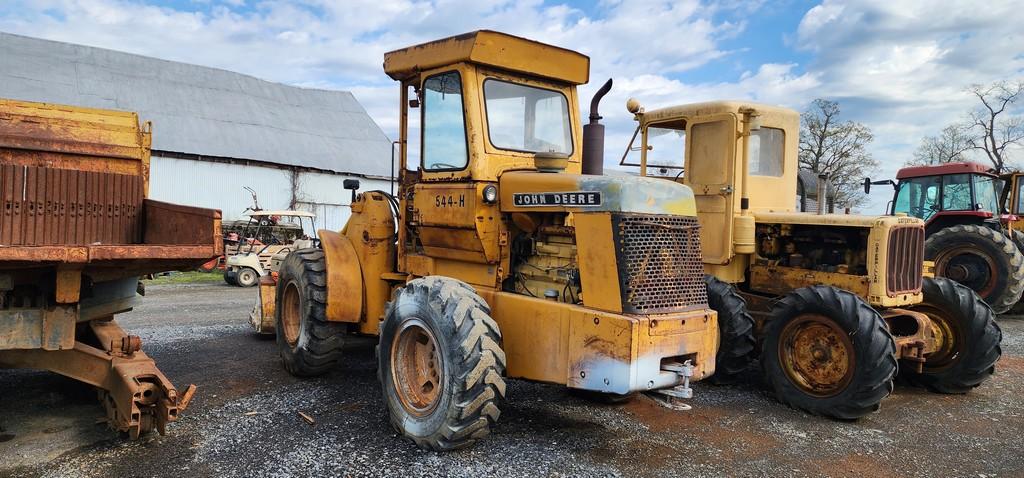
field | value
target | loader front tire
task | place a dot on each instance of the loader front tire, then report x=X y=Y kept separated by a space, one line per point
x=440 y=364
x=968 y=336
x=827 y=352
x=308 y=343
x=735 y=331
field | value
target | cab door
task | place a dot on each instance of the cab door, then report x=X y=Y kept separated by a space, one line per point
x=710 y=172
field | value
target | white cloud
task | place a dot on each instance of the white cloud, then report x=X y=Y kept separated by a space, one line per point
x=899 y=67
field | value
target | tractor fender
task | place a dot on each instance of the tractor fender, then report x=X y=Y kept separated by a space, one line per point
x=344 y=278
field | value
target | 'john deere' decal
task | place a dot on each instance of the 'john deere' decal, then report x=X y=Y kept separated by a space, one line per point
x=573 y=198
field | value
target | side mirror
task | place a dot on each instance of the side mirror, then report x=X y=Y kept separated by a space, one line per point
x=352 y=185
x=867 y=185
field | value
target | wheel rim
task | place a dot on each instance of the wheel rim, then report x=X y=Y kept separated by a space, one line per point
x=816 y=355
x=246 y=276
x=416 y=368
x=291 y=313
x=948 y=338
x=970 y=266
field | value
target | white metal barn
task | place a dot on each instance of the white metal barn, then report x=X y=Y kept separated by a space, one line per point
x=215 y=131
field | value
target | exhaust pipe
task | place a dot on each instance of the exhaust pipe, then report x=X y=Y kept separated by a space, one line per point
x=593 y=135
x=822 y=193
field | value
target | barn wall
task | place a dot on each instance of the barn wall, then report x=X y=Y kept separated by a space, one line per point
x=220 y=186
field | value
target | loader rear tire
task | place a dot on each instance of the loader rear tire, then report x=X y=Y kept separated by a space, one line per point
x=308 y=343
x=968 y=335
x=827 y=352
x=736 y=342
x=981 y=258
x=440 y=364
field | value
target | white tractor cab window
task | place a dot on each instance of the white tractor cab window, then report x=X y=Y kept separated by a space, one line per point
x=443 y=144
x=765 y=153
x=526 y=118
x=666 y=145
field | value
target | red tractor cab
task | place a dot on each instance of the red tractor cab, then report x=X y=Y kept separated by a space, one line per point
x=949 y=194
x=960 y=203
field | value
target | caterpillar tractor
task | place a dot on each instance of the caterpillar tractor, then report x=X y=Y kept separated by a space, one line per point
x=839 y=303
x=965 y=232
x=500 y=257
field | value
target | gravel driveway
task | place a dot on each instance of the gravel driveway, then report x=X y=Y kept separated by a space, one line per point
x=244 y=420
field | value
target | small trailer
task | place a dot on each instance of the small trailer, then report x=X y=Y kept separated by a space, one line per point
x=76 y=231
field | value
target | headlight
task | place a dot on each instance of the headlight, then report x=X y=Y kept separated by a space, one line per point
x=490 y=194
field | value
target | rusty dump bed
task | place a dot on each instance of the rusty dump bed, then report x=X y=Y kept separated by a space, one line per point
x=74 y=185
x=76 y=232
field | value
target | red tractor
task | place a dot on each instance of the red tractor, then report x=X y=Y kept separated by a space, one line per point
x=966 y=238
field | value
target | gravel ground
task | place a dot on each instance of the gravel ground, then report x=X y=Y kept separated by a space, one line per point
x=198 y=334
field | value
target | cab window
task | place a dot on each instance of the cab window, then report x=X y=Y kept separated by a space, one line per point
x=666 y=145
x=766 y=150
x=985 y=194
x=1020 y=197
x=525 y=118
x=956 y=193
x=917 y=197
x=443 y=125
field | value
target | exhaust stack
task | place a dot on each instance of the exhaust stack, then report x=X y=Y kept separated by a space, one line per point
x=593 y=135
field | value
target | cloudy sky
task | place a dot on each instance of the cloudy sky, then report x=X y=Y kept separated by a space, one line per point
x=898 y=66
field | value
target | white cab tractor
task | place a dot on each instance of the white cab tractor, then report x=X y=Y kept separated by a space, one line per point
x=259 y=247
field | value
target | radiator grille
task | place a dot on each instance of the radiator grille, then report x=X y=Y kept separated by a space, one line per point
x=659 y=263
x=905 y=260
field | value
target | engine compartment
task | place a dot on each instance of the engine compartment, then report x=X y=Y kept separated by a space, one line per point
x=839 y=249
x=544 y=258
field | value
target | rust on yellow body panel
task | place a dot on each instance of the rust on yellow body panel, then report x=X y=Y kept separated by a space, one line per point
x=600 y=289
x=455 y=223
x=596 y=350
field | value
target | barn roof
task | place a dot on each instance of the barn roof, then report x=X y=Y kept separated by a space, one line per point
x=201 y=111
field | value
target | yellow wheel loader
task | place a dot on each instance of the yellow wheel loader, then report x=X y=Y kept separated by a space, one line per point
x=840 y=301
x=499 y=257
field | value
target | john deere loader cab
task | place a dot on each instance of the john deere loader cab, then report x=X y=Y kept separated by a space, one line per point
x=504 y=261
x=838 y=300
x=964 y=230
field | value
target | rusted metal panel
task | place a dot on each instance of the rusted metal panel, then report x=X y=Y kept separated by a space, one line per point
x=105 y=208
x=175 y=224
x=48 y=329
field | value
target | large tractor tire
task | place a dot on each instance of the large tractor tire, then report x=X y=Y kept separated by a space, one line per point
x=827 y=352
x=736 y=342
x=440 y=364
x=967 y=334
x=308 y=343
x=1018 y=239
x=981 y=258
x=247 y=277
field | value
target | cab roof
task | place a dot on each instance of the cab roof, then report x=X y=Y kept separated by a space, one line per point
x=770 y=112
x=943 y=169
x=494 y=49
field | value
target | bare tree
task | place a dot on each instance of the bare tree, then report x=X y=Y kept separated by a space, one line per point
x=949 y=146
x=836 y=148
x=992 y=125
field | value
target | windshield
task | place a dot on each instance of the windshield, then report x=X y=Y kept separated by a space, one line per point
x=524 y=118
x=917 y=197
